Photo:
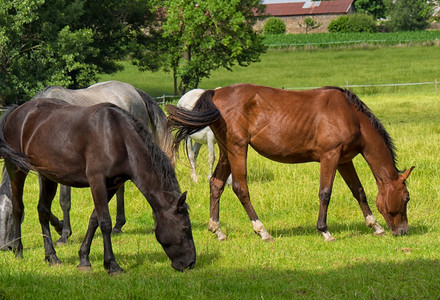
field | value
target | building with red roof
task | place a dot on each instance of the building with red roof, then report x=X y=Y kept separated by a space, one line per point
x=294 y=12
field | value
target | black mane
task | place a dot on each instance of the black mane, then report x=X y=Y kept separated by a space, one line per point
x=159 y=159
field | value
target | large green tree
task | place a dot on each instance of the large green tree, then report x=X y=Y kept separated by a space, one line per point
x=64 y=42
x=409 y=15
x=197 y=37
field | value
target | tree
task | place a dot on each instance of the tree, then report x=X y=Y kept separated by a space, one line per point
x=197 y=37
x=408 y=15
x=310 y=24
x=47 y=42
x=376 y=8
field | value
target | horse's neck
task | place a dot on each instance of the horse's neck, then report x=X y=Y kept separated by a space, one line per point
x=378 y=157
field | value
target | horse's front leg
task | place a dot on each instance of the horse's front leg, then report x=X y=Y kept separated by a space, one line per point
x=100 y=198
x=120 y=210
x=351 y=178
x=329 y=162
x=48 y=190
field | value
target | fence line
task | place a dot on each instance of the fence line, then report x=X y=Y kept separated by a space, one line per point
x=347 y=85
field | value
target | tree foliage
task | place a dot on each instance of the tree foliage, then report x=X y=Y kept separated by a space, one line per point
x=197 y=37
x=376 y=8
x=63 y=42
x=409 y=15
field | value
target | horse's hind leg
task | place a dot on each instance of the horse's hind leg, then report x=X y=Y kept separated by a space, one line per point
x=120 y=211
x=192 y=152
x=217 y=184
x=48 y=190
x=210 y=140
x=351 y=178
x=17 y=178
x=65 y=203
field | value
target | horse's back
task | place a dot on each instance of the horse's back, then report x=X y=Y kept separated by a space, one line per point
x=121 y=94
x=288 y=126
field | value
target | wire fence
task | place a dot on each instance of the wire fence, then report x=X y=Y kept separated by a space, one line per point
x=347 y=85
x=162 y=100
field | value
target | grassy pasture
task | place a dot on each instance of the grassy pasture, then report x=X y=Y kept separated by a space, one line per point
x=298 y=264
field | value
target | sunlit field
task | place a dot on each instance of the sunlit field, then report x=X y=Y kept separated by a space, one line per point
x=298 y=264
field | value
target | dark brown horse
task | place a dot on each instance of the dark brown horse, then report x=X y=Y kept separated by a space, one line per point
x=327 y=125
x=100 y=146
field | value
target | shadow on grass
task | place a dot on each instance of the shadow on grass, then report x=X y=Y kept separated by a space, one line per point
x=339 y=228
x=410 y=279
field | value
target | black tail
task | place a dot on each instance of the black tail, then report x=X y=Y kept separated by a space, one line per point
x=17 y=158
x=187 y=122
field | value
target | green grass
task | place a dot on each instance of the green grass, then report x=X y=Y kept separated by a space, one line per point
x=314 y=68
x=298 y=264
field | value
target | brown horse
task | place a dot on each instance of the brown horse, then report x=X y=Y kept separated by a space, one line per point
x=327 y=125
x=100 y=146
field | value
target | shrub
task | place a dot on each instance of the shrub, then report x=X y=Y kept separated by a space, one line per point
x=353 y=23
x=274 y=26
x=361 y=23
x=339 y=24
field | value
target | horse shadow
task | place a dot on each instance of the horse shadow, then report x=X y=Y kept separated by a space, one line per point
x=354 y=229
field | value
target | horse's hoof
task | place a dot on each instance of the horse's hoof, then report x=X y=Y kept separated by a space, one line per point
x=61 y=241
x=115 y=272
x=84 y=268
x=268 y=238
x=53 y=260
x=116 y=230
x=379 y=232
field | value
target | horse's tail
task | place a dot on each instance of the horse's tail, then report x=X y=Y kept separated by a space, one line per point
x=7 y=152
x=158 y=121
x=187 y=122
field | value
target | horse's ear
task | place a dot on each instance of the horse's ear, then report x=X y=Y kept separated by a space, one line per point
x=405 y=174
x=182 y=200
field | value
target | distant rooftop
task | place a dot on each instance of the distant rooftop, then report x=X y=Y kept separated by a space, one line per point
x=306 y=7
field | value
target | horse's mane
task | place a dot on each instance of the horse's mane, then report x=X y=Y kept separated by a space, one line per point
x=160 y=161
x=353 y=99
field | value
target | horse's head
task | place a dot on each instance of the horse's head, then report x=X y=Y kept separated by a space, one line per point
x=173 y=231
x=392 y=203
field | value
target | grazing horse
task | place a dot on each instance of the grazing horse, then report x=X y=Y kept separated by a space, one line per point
x=127 y=97
x=327 y=125
x=100 y=147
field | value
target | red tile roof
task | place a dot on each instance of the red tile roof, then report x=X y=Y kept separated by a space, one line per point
x=309 y=8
